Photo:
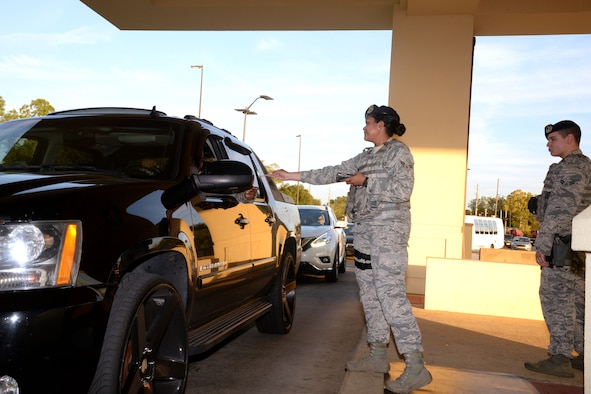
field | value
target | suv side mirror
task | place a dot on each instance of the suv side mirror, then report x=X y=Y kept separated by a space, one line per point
x=221 y=177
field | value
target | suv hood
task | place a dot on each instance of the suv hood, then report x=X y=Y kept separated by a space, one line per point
x=12 y=184
x=30 y=196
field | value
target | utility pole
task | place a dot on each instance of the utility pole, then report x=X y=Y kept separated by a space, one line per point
x=476 y=205
x=200 y=88
x=497 y=197
x=299 y=158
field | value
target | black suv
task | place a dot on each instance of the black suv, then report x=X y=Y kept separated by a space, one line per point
x=127 y=244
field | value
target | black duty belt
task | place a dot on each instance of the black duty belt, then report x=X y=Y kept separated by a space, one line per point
x=362 y=256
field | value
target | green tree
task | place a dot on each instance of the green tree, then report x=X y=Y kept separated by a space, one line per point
x=338 y=206
x=520 y=216
x=272 y=167
x=511 y=209
x=38 y=107
x=4 y=116
x=486 y=206
x=305 y=198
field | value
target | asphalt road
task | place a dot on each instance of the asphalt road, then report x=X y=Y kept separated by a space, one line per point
x=309 y=360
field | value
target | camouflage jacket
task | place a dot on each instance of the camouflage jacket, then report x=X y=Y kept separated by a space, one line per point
x=390 y=173
x=566 y=192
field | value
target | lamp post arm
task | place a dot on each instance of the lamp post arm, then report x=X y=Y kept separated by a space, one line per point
x=247 y=111
x=247 y=108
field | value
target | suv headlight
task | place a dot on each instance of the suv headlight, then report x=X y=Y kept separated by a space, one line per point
x=39 y=254
x=321 y=240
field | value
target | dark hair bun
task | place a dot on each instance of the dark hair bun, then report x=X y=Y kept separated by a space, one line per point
x=400 y=129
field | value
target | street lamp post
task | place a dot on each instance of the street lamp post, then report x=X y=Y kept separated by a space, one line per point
x=299 y=158
x=246 y=111
x=200 y=88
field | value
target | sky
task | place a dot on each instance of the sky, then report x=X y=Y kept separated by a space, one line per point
x=321 y=83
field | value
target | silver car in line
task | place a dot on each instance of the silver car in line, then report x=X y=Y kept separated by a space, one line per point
x=323 y=242
x=521 y=243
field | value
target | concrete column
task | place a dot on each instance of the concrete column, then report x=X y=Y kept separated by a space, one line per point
x=582 y=242
x=430 y=83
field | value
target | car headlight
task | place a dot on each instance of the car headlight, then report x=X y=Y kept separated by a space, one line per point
x=39 y=254
x=321 y=240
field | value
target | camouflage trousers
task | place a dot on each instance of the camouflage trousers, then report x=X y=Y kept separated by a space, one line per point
x=562 y=295
x=382 y=289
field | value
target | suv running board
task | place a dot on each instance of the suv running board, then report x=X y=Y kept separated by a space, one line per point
x=204 y=338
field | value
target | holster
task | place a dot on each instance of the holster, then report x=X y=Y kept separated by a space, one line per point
x=562 y=254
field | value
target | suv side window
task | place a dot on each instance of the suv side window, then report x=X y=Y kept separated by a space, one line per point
x=262 y=192
x=218 y=150
x=247 y=157
x=215 y=149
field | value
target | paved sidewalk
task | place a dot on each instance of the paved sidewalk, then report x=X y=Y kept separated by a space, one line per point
x=472 y=354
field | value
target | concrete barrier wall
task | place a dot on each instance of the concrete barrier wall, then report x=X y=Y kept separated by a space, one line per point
x=582 y=242
x=484 y=287
x=508 y=256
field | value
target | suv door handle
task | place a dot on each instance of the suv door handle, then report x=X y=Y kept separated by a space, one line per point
x=270 y=219
x=241 y=221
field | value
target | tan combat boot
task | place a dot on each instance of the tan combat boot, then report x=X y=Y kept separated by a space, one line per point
x=377 y=361
x=415 y=375
x=557 y=365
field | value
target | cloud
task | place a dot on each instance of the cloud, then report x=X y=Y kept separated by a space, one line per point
x=268 y=44
x=520 y=84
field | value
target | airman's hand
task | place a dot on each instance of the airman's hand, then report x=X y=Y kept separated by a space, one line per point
x=356 y=180
x=541 y=260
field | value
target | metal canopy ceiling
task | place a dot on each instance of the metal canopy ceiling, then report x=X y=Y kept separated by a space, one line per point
x=491 y=17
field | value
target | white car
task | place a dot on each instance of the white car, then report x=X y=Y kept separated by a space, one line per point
x=323 y=242
x=521 y=243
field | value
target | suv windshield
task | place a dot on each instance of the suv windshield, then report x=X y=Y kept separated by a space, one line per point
x=138 y=148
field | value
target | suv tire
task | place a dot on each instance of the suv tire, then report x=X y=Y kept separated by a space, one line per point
x=145 y=340
x=283 y=299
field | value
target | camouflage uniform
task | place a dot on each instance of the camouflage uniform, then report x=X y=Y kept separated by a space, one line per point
x=566 y=192
x=381 y=213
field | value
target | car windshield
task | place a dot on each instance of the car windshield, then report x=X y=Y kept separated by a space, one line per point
x=522 y=239
x=314 y=217
x=133 y=148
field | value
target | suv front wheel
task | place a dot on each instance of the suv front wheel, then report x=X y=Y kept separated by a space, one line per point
x=145 y=346
x=283 y=299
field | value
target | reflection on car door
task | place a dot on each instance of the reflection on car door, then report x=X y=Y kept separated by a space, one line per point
x=262 y=223
x=264 y=257
x=227 y=262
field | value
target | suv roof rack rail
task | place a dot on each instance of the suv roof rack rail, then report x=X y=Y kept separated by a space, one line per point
x=111 y=110
x=193 y=117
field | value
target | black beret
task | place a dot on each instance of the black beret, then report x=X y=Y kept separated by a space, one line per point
x=381 y=112
x=562 y=125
